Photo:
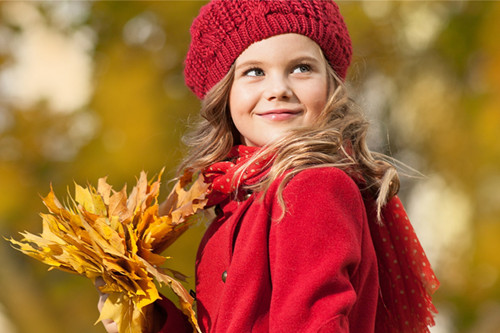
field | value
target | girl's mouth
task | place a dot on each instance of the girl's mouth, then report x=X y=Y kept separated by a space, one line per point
x=279 y=114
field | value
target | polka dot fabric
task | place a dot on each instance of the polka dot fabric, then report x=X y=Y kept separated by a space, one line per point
x=224 y=29
x=407 y=280
x=226 y=177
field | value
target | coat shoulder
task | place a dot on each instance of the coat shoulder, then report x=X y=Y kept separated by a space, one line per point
x=328 y=181
x=322 y=189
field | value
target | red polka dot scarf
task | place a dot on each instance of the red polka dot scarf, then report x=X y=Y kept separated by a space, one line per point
x=226 y=179
x=406 y=278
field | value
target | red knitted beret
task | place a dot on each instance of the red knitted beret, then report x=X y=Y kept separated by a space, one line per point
x=225 y=28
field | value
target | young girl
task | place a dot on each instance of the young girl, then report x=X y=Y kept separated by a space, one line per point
x=309 y=234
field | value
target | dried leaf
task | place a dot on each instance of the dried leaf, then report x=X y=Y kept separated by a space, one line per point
x=118 y=205
x=186 y=301
x=104 y=189
x=104 y=233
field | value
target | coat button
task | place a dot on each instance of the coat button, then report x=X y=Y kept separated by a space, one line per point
x=224 y=276
x=218 y=211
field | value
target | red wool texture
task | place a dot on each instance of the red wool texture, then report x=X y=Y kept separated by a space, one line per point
x=224 y=29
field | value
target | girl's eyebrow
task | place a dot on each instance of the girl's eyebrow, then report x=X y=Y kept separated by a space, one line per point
x=249 y=63
x=305 y=58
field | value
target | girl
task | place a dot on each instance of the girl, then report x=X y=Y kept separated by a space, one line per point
x=309 y=234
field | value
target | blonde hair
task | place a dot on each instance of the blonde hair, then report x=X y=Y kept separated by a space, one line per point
x=338 y=139
x=214 y=134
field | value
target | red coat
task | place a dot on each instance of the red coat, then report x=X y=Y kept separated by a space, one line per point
x=315 y=270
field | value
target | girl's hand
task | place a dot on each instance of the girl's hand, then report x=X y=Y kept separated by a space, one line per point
x=156 y=316
x=109 y=325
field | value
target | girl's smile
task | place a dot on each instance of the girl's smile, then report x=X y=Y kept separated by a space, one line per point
x=279 y=114
x=280 y=83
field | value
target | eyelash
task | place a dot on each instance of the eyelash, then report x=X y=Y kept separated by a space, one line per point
x=307 y=66
x=245 y=73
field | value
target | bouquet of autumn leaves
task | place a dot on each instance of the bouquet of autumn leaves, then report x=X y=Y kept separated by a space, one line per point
x=102 y=233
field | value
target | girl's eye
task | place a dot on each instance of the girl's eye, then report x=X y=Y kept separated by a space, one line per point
x=302 y=68
x=254 y=72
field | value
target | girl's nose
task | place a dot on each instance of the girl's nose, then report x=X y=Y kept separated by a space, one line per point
x=277 y=88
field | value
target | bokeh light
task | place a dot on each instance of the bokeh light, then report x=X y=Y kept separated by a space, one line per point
x=89 y=89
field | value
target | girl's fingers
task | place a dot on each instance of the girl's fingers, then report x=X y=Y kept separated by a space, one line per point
x=99 y=282
x=109 y=325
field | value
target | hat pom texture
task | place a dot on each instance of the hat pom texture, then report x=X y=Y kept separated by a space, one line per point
x=225 y=28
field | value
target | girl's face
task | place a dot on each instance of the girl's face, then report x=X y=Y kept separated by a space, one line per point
x=280 y=83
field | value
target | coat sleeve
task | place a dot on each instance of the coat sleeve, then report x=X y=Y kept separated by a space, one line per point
x=314 y=251
x=175 y=320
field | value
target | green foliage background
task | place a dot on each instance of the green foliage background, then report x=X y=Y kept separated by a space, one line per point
x=427 y=74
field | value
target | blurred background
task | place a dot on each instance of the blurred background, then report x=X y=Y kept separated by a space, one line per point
x=89 y=89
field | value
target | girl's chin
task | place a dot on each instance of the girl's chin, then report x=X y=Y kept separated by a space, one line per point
x=262 y=141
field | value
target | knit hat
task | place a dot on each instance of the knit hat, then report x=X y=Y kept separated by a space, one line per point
x=225 y=28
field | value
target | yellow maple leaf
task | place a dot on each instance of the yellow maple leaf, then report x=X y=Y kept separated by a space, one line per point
x=107 y=234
